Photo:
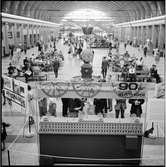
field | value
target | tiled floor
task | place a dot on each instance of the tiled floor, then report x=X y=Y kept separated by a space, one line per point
x=25 y=151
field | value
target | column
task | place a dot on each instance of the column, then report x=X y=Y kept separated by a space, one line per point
x=131 y=33
x=28 y=35
x=154 y=35
x=141 y=32
x=6 y=41
x=161 y=36
x=32 y=35
x=139 y=35
x=21 y=27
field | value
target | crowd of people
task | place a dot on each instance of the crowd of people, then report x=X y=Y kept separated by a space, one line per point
x=72 y=107
x=50 y=60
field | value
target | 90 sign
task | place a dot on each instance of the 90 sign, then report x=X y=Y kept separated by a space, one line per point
x=128 y=86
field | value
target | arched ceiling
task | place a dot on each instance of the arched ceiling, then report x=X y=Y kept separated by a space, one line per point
x=119 y=11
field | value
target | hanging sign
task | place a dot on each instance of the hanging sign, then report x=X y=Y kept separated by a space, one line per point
x=129 y=90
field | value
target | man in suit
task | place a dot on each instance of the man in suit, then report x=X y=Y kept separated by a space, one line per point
x=65 y=106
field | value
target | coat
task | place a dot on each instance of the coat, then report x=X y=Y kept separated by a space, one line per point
x=136 y=108
x=120 y=104
x=105 y=64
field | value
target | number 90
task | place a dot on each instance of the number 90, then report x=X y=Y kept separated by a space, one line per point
x=130 y=86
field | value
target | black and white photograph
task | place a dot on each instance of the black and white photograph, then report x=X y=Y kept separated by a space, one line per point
x=83 y=83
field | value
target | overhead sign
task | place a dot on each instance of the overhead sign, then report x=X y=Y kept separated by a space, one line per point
x=92 y=89
x=129 y=89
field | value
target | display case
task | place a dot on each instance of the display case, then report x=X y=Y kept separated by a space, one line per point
x=90 y=139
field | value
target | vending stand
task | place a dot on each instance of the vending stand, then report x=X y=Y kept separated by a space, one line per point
x=90 y=139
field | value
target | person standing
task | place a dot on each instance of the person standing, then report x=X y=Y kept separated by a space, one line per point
x=157 y=56
x=56 y=65
x=154 y=74
x=2 y=90
x=65 y=106
x=145 y=50
x=11 y=70
x=136 y=106
x=125 y=44
x=100 y=106
x=26 y=62
x=104 y=67
x=120 y=107
x=31 y=104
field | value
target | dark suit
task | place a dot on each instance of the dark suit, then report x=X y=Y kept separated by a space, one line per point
x=136 y=109
x=65 y=106
x=120 y=107
x=100 y=105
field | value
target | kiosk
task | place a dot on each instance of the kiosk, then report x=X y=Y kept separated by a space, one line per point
x=90 y=139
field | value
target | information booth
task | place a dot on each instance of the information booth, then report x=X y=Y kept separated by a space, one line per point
x=90 y=139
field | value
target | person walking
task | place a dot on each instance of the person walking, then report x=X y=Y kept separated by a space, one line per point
x=104 y=67
x=56 y=65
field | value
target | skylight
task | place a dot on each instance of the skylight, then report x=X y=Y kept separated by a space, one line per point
x=84 y=15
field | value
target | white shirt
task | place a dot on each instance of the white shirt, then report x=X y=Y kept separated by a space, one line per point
x=132 y=70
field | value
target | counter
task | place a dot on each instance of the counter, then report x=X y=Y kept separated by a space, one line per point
x=90 y=140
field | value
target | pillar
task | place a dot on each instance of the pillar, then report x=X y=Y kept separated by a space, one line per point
x=5 y=38
x=139 y=35
x=131 y=33
x=161 y=36
x=21 y=27
x=154 y=36
x=28 y=35
x=14 y=29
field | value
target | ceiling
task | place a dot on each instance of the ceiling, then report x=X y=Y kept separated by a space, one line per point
x=55 y=11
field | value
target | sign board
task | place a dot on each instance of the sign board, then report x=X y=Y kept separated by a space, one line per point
x=160 y=90
x=8 y=82
x=20 y=100
x=118 y=90
x=16 y=91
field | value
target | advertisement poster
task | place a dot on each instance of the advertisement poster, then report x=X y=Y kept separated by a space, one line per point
x=19 y=87
x=15 y=90
x=8 y=82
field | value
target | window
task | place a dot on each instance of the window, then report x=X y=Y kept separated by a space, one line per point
x=18 y=34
